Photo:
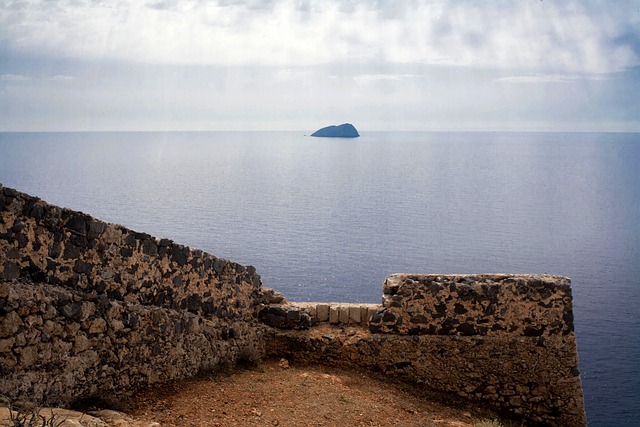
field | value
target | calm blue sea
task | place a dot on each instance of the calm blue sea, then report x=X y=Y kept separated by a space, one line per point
x=329 y=219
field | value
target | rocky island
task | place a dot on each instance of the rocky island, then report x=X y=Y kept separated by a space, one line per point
x=345 y=130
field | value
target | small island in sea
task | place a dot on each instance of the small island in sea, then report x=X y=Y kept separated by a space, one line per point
x=345 y=130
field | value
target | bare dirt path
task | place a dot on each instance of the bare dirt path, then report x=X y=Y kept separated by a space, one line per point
x=274 y=394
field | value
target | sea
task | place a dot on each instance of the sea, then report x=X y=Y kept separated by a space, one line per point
x=326 y=219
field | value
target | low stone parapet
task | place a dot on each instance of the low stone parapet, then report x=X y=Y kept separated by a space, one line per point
x=475 y=305
x=336 y=313
x=303 y=315
x=498 y=339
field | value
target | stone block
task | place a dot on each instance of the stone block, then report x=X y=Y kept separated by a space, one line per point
x=8 y=360
x=28 y=355
x=6 y=345
x=343 y=314
x=334 y=314
x=354 y=314
x=285 y=317
x=98 y=326
x=308 y=307
x=322 y=312
x=11 y=271
x=10 y=324
x=81 y=343
x=364 y=311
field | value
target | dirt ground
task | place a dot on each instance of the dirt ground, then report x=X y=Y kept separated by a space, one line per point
x=276 y=394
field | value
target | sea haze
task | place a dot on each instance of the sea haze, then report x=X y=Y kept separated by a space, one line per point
x=329 y=219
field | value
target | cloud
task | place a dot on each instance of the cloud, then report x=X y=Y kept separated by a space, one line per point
x=290 y=64
x=287 y=74
x=550 y=78
x=63 y=78
x=404 y=97
x=374 y=78
x=538 y=37
x=23 y=78
x=13 y=78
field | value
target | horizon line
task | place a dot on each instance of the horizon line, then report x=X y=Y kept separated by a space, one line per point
x=308 y=132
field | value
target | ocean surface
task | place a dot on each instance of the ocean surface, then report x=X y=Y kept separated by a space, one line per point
x=329 y=219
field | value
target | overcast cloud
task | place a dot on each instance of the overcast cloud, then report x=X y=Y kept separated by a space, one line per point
x=195 y=64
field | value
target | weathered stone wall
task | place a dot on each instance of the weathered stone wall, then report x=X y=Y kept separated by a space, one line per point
x=502 y=340
x=484 y=304
x=88 y=307
x=54 y=245
x=57 y=346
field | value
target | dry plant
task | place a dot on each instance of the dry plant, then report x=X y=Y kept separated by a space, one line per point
x=27 y=415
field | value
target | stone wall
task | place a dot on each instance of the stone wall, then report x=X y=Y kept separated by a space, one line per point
x=70 y=249
x=478 y=305
x=502 y=340
x=337 y=313
x=58 y=346
x=90 y=308
x=303 y=315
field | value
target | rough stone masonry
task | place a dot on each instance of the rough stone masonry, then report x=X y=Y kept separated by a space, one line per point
x=89 y=308
x=504 y=340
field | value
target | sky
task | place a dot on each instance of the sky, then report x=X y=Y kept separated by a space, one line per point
x=529 y=65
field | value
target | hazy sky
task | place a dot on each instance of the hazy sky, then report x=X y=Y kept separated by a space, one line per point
x=300 y=65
